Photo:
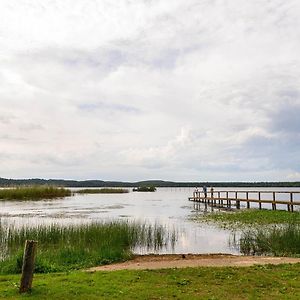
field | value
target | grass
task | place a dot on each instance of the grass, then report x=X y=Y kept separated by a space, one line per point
x=33 y=193
x=278 y=241
x=252 y=217
x=264 y=232
x=103 y=191
x=62 y=248
x=257 y=282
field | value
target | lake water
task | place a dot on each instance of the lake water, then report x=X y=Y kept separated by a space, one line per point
x=167 y=206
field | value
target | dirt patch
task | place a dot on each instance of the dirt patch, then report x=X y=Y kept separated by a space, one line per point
x=141 y=262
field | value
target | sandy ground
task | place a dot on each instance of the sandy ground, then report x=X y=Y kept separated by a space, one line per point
x=191 y=260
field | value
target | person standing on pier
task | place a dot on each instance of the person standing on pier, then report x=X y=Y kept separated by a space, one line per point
x=211 y=192
x=205 y=191
x=196 y=192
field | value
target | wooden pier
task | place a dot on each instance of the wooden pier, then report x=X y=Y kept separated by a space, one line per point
x=224 y=198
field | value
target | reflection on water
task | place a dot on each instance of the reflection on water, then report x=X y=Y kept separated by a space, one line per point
x=168 y=206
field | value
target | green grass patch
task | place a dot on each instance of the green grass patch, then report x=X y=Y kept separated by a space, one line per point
x=258 y=282
x=70 y=247
x=252 y=217
x=103 y=191
x=33 y=193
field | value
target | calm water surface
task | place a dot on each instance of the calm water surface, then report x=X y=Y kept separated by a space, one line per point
x=167 y=206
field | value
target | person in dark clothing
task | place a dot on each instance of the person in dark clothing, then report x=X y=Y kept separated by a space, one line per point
x=205 y=191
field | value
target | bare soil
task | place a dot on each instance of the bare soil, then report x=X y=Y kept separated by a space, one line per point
x=141 y=262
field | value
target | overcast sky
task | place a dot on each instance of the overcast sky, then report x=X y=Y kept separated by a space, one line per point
x=150 y=89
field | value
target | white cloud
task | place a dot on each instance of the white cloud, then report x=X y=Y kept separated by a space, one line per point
x=127 y=90
x=294 y=176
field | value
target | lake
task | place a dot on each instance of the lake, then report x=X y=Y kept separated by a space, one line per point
x=167 y=206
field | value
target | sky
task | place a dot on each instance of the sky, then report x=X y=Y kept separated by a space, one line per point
x=185 y=90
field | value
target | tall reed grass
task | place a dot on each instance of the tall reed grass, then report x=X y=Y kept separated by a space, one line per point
x=103 y=191
x=77 y=246
x=281 y=240
x=33 y=193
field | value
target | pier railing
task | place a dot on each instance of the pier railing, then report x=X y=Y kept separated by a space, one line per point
x=225 y=199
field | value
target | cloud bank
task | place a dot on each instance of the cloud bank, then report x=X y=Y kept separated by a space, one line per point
x=130 y=90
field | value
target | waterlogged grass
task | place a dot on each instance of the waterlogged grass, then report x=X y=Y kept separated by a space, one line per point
x=33 y=193
x=102 y=191
x=278 y=241
x=264 y=232
x=252 y=217
x=62 y=248
x=257 y=282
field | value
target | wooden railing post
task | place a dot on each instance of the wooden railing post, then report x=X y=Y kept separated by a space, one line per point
x=259 y=199
x=237 y=202
x=212 y=198
x=274 y=203
x=247 y=197
x=28 y=266
x=291 y=200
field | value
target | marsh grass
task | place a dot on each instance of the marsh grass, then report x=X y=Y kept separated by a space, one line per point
x=33 y=193
x=281 y=240
x=103 y=191
x=63 y=248
x=261 y=232
x=252 y=218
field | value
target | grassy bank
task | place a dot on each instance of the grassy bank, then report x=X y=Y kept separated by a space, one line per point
x=258 y=282
x=252 y=217
x=70 y=247
x=33 y=193
x=103 y=191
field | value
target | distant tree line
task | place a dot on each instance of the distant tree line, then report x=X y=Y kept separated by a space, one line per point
x=4 y=182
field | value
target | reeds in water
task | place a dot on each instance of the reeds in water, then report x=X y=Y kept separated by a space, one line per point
x=78 y=246
x=103 y=191
x=279 y=241
x=33 y=193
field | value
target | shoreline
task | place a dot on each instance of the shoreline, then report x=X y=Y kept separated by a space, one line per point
x=166 y=261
